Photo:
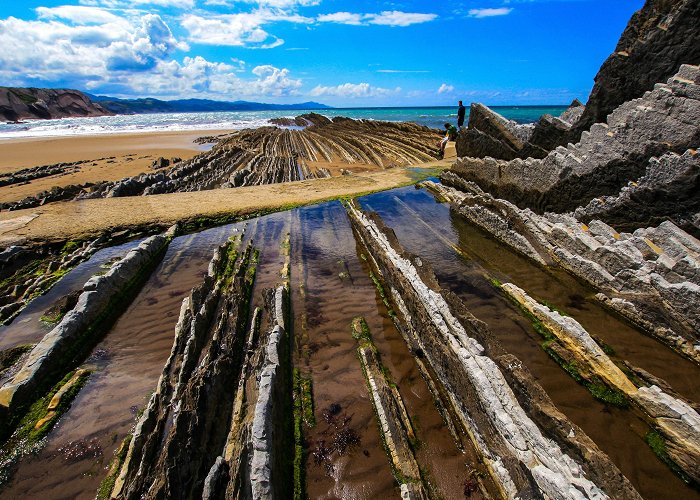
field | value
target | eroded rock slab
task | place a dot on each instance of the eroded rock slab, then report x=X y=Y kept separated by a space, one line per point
x=101 y=295
x=219 y=423
x=476 y=379
x=665 y=119
x=490 y=134
x=676 y=420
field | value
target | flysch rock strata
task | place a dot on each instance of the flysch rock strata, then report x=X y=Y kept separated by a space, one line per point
x=668 y=190
x=676 y=420
x=394 y=423
x=59 y=348
x=215 y=427
x=650 y=276
x=178 y=437
x=665 y=119
x=523 y=461
x=268 y=461
x=16 y=293
x=490 y=134
x=269 y=155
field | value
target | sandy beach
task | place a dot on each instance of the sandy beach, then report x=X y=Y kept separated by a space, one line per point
x=109 y=157
x=131 y=154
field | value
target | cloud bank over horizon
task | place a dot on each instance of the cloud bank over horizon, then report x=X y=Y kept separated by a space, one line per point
x=348 y=53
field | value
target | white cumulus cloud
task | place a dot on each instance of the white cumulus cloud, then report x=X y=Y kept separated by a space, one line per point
x=385 y=18
x=480 y=13
x=445 y=89
x=240 y=30
x=352 y=90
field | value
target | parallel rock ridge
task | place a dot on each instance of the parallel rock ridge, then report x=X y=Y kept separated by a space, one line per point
x=677 y=421
x=651 y=276
x=31 y=103
x=667 y=190
x=59 y=348
x=666 y=119
x=219 y=422
x=269 y=155
x=522 y=460
x=394 y=423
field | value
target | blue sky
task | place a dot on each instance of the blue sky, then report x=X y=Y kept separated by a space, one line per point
x=339 y=52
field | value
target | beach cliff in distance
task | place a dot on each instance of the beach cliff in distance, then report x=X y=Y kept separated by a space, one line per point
x=32 y=103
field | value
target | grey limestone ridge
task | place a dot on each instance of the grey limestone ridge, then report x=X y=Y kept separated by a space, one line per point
x=32 y=103
x=677 y=421
x=490 y=134
x=665 y=119
x=215 y=427
x=57 y=350
x=650 y=276
x=526 y=453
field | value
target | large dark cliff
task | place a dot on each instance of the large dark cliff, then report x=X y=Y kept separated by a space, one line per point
x=659 y=37
x=31 y=103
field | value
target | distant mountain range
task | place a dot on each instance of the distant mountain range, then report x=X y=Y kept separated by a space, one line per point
x=151 y=105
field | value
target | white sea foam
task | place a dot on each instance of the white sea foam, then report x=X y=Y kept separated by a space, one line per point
x=234 y=120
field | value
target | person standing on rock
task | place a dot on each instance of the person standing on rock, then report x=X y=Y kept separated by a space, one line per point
x=461 y=111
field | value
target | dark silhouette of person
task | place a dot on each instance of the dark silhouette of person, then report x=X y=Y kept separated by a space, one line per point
x=460 y=115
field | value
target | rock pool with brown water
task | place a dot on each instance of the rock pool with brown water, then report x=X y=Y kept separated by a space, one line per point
x=330 y=285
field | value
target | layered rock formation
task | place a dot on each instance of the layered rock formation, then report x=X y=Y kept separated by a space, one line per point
x=490 y=134
x=676 y=420
x=650 y=276
x=102 y=297
x=394 y=422
x=667 y=190
x=521 y=445
x=658 y=39
x=666 y=119
x=32 y=103
x=270 y=155
x=219 y=423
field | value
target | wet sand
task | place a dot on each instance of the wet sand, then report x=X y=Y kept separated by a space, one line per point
x=133 y=154
x=85 y=218
x=16 y=154
x=106 y=157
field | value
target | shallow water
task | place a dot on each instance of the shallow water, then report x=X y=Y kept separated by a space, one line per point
x=330 y=286
x=325 y=248
x=429 y=229
x=27 y=327
x=127 y=364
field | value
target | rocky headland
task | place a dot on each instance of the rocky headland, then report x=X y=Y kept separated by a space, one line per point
x=31 y=103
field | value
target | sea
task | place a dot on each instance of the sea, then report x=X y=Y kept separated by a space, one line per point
x=434 y=117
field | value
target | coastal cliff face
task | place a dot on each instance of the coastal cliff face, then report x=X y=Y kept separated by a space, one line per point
x=31 y=103
x=658 y=39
